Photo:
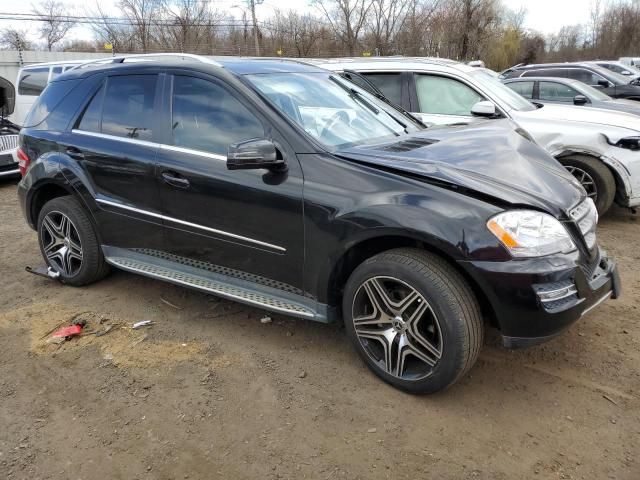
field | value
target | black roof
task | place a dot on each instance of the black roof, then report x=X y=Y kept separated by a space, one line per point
x=236 y=65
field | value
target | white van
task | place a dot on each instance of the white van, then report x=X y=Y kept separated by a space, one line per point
x=631 y=61
x=31 y=82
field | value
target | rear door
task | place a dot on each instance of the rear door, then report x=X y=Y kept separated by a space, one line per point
x=114 y=142
x=245 y=223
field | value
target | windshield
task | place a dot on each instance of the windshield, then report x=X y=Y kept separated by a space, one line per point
x=590 y=92
x=502 y=92
x=331 y=109
x=614 y=77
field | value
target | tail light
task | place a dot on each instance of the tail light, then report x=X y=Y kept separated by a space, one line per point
x=23 y=161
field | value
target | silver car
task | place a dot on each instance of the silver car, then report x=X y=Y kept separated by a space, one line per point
x=600 y=147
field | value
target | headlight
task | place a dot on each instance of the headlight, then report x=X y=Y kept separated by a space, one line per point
x=628 y=143
x=527 y=233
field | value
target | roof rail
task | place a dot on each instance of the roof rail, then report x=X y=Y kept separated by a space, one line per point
x=145 y=57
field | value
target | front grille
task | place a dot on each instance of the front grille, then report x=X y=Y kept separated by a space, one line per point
x=8 y=143
x=586 y=217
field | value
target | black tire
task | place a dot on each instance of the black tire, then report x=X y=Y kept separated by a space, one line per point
x=449 y=297
x=605 y=184
x=92 y=266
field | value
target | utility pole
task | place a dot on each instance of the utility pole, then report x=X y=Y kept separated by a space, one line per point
x=252 y=7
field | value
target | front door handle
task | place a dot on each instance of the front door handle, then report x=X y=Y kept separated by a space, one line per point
x=75 y=153
x=175 y=180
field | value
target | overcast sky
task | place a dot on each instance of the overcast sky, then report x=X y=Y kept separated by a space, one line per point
x=546 y=16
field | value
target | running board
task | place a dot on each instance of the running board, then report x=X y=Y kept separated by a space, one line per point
x=224 y=286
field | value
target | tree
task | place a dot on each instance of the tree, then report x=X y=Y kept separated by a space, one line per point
x=14 y=39
x=54 y=22
x=346 y=18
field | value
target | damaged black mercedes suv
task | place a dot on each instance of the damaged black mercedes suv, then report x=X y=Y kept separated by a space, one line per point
x=284 y=186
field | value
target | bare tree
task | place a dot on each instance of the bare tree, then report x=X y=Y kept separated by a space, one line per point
x=14 y=39
x=347 y=19
x=54 y=21
x=386 y=20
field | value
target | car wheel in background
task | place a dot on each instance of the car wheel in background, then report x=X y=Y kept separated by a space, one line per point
x=413 y=319
x=68 y=242
x=595 y=177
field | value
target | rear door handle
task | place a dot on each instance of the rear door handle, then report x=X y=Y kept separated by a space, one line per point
x=175 y=179
x=75 y=153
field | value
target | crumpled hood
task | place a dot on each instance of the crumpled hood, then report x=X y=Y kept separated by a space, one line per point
x=599 y=116
x=487 y=157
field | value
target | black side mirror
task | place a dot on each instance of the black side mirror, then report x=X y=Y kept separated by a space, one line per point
x=255 y=153
x=603 y=83
x=580 y=100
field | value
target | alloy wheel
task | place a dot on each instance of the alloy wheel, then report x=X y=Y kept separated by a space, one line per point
x=397 y=328
x=585 y=180
x=61 y=243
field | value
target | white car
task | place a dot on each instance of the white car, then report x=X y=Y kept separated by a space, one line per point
x=600 y=147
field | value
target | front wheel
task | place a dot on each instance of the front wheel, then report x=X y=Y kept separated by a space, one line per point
x=595 y=177
x=413 y=319
x=69 y=243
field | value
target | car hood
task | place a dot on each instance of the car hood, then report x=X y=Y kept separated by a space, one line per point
x=596 y=116
x=492 y=159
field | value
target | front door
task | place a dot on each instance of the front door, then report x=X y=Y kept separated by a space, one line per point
x=442 y=100
x=245 y=223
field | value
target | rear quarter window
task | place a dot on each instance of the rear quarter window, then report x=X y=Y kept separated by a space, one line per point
x=51 y=97
x=33 y=81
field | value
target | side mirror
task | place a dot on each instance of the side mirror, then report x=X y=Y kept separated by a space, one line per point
x=580 y=100
x=625 y=72
x=603 y=83
x=484 y=108
x=255 y=153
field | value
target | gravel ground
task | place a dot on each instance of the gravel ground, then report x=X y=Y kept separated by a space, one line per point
x=209 y=391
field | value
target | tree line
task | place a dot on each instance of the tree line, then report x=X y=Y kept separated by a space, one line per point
x=457 y=29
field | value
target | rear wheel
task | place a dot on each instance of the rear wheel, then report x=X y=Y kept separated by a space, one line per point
x=595 y=177
x=68 y=242
x=413 y=319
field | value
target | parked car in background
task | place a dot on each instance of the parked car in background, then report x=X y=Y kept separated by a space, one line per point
x=564 y=91
x=601 y=148
x=611 y=83
x=286 y=187
x=631 y=61
x=30 y=83
x=617 y=67
x=8 y=130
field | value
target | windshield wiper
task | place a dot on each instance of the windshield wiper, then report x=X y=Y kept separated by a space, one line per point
x=357 y=95
x=376 y=92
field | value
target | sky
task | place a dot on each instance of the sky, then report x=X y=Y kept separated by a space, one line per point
x=545 y=16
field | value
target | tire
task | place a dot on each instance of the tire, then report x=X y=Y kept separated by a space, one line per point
x=598 y=174
x=63 y=241
x=448 y=333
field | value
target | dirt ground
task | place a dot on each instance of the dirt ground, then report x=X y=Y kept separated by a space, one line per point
x=210 y=392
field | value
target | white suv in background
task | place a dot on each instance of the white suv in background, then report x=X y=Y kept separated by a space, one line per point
x=600 y=147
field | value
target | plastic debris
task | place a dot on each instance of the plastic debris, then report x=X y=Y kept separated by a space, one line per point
x=167 y=302
x=144 y=323
x=68 y=332
x=266 y=319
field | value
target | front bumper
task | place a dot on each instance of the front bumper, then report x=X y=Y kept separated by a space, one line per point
x=518 y=292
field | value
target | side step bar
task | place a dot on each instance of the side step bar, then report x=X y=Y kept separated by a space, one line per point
x=217 y=284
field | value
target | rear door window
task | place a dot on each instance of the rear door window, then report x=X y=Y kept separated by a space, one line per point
x=128 y=107
x=90 y=120
x=444 y=95
x=207 y=117
x=546 y=72
x=33 y=80
x=390 y=84
x=524 y=89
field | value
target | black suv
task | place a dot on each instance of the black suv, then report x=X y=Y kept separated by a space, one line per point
x=286 y=187
x=611 y=83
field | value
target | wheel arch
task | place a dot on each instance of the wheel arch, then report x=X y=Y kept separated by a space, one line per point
x=367 y=248
x=44 y=193
x=622 y=187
